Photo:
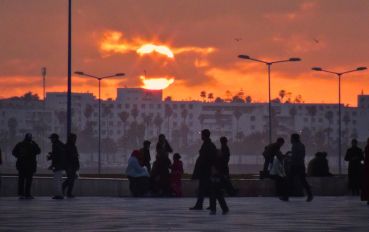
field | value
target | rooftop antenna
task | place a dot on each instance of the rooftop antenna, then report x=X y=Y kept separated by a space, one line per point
x=43 y=73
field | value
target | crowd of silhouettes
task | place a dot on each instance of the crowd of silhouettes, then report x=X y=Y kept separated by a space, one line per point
x=164 y=177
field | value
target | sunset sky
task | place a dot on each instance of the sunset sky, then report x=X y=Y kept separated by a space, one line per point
x=194 y=43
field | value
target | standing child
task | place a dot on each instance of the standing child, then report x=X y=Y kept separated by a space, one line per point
x=176 y=175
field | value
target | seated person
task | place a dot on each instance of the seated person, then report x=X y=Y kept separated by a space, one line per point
x=137 y=174
x=318 y=166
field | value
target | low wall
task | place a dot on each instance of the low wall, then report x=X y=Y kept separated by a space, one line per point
x=42 y=186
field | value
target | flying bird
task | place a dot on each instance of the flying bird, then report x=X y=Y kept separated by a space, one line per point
x=238 y=39
x=316 y=41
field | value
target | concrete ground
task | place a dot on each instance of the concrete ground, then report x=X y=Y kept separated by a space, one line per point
x=169 y=214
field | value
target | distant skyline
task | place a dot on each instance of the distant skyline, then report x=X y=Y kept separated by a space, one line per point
x=204 y=38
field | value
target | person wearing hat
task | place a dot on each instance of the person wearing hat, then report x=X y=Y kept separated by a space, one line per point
x=26 y=152
x=146 y=154
x=57 y=157
x=176 y=175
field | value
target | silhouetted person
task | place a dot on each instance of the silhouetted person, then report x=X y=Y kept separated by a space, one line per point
x=318 y=166
x=137 y=174
x=160 y=173
x=202 y=171
x=270 y=151
x=176 y=175
x=145 y=150
x=163 y=147
x=218 y=184
x=57 y=157
x=72 y=164
x=224 y=158
x=297 y=165
x=354 y=156
x=365 y=182
x=26 y=152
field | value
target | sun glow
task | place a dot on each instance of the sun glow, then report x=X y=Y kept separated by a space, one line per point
x=156 y=83
x=160 y=49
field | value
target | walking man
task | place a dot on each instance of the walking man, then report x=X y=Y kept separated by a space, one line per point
x=57 y=157
x=297 y=168
x=72 y=164
x=354 y=156
x=202 y=171
x=26 y=152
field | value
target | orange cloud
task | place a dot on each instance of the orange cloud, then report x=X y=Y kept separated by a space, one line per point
x=114 y=42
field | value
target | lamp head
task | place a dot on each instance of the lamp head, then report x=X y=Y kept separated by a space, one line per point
x=79 y=73
x=243 y=57
x=120 y=74
x=361 y=68
x=317 y=69
x=294 y=59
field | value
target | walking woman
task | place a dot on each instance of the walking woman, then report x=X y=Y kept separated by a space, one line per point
x=365 y=183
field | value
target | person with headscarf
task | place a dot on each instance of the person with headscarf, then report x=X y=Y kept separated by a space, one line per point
x=137 y=174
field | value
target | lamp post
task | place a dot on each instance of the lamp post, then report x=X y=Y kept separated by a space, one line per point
x=99 y=79
x=339 y=74
x=269 y=64
x=69 y=93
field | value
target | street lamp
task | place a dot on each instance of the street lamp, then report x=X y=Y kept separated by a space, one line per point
x=269 y=64
x=99 y=79
x=339 y=74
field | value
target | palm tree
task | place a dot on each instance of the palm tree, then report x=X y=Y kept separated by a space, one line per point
x=248 y=99
x=184 y=115
x=168 y=113
x=293 y=112
x=147 y=119
x=201 y=118
x=210 y=97
x=237 y=114
x=282 y=94
x=346 y=120
x=203 y=95
x=106 y=112
x=158 y=121
x=124 y=115
x=134 y=113
x=329 y=116
x=312 y=110
x=218 y=119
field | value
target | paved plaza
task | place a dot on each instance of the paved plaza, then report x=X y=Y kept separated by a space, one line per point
x=169 y=214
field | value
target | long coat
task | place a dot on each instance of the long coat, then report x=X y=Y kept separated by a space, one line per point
x=26 y=152
x=204 y=162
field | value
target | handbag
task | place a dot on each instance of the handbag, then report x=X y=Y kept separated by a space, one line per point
x=277 y=168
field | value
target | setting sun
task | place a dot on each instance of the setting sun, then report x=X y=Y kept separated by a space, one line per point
x=156 y=83
x=150 y=48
